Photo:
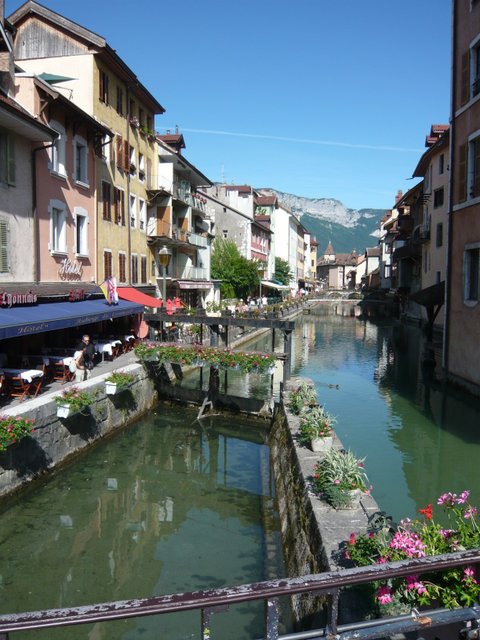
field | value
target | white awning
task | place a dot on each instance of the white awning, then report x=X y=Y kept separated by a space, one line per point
x=274 y=285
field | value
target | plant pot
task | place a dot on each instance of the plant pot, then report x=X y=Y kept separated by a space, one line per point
x=320 y=445
x=112 y=388
x=354 y=501
x=65 y=411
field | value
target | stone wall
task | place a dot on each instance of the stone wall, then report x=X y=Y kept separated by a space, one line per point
x=314 y=534
x=55 y=441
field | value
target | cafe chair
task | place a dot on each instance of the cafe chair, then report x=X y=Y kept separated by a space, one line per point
x=17 y=387
x=61 y=372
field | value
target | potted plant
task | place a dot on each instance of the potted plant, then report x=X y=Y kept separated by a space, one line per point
x=118 y=381
x=146 y=351
x=340 y=478
x=72 y=401
x=13 y=429
x=316 y=429
x=460 y=530
x=302 y=398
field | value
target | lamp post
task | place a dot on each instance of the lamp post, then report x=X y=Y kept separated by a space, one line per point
x=164 y=256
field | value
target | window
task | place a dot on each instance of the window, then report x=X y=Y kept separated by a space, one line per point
x=119 y=203
x=106 y=200
x=107 y=264
x=141 y=117
x=81 y=231
x=4 y=249
x=134 y=268
x=122 y=267
x=7 y=158
x=472 y=265
x=58 y=225
x=107 y=148
x=438 y=198
x=439 y=234
x=103 y=87
x=143 y=269
x=441 y=164
x=132 y=161
x=142 y=213
x=475 y=71
x=58 y=151
x=473 y=163
x=80 y=160
x=119 y=101
x=387 y=268
x=141 y=167
x=133 y=211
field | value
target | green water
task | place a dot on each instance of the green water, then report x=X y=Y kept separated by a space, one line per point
x=168 y=505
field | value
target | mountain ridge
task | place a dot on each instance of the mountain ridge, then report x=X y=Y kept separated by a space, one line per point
x=329 y=220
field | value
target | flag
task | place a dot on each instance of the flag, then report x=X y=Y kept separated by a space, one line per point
x=109 y=289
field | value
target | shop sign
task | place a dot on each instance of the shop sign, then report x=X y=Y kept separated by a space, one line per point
x=9 y=300
x=70 y=269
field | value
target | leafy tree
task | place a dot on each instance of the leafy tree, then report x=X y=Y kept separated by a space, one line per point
x=282 y=271
x=238 y=275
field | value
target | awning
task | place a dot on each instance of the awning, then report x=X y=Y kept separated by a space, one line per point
x=430 y=296
x=274 y=285
x=134 y=295
x=194 y=284
x=23 y=321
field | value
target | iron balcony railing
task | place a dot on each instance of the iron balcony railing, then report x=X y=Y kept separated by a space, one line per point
x=328 y=585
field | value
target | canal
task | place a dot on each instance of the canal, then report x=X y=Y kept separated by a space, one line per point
x=175 y=504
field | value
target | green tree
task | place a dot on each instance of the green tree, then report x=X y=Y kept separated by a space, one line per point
x=282 y=271
x=239 y=276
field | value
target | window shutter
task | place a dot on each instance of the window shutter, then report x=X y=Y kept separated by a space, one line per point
x=149 y=173
x=3 y=247
x=120 y=148
x=126 y=156
x=476 y=168
x=465 y=78
x=462 y=173
x=11 y=160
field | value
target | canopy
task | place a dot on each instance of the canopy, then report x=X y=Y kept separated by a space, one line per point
x=274 y=285
x=23 y=321
x=134 y=295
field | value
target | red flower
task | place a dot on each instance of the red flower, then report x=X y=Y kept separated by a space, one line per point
x=351 y=539
x=427 y=512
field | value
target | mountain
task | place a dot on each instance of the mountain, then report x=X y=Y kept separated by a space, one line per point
x=330 y=221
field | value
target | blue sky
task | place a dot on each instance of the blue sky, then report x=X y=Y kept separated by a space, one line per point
x=320 y=98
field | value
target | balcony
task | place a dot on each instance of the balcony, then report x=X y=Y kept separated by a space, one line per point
x=421 y=234
x=191 y=273
x=199 y=203
x=181 y=191
x=159 y=228
x=179 y=234
x=198 y=240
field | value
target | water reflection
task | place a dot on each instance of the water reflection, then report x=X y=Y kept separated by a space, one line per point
x=169 y=505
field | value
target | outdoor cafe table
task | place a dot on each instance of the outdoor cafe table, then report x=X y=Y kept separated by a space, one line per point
x=31 y=381
x=108 y=348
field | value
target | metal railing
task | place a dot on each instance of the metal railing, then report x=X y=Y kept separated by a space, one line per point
x=327 y=585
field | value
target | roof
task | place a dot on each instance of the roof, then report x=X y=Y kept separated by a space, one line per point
x=95 y=43
x=17 y=119
x=174 y=140
x=345 y=259
x=439 y=143
x=242 y=188
x=329 y=250
x=266 y=201
x=372 y=252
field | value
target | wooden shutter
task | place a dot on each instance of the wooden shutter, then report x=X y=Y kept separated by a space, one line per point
x=122 y=276
x=119 y=153
x=126 y=156
x=107 y=264
x=10 y=159
x=462 y=173
x=149 y=173
x=476 y=168
x=465 y=78
x=4 y=267
x=143 y=269
x=107 y=201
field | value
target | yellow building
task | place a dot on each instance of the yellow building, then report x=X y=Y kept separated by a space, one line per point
x=89 y=72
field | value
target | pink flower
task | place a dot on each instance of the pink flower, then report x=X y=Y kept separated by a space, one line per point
x=463 y=497
x=447 y=499
x=384 y=595
x=470 y=512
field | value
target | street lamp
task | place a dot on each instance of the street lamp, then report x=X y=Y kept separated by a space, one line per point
x=164 y=256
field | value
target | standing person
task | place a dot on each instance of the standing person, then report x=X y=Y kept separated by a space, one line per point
x=88 y=351
x=78 y=366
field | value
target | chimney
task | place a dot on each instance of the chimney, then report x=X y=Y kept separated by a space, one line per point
x=398 y=196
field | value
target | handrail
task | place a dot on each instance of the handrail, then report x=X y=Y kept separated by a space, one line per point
x=328 y=583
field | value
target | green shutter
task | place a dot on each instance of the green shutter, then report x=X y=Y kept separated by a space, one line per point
x=462 y=173
x=4 y=247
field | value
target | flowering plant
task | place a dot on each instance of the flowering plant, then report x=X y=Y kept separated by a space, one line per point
x=120 y=378
x=417 y=539
x=226 y=358
x=337 y=474
x=303 y=397
x=74 y=398
x=315 y=423
x=13 y=428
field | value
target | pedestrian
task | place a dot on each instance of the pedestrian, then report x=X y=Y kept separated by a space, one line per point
x=78 y=366
x=88 y=351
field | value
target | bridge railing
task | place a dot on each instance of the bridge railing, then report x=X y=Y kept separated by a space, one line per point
x=214 y=601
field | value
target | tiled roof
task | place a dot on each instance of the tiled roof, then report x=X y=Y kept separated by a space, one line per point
x=329 y=250
x=242 y=188
x=267 y=200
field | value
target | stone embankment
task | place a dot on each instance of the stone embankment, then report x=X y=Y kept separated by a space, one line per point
x=55 y=440
x=314 y=534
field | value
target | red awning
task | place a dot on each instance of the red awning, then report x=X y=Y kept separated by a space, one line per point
x=134 y=295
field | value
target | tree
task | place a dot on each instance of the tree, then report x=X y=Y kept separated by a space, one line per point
x=282 y=271
x=239 y=276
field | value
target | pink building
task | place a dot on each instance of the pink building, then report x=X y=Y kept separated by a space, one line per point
x=65 y=227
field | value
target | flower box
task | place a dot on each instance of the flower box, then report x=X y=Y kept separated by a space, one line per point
x=65 y=411
x=112 y=388
x=352 y=501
